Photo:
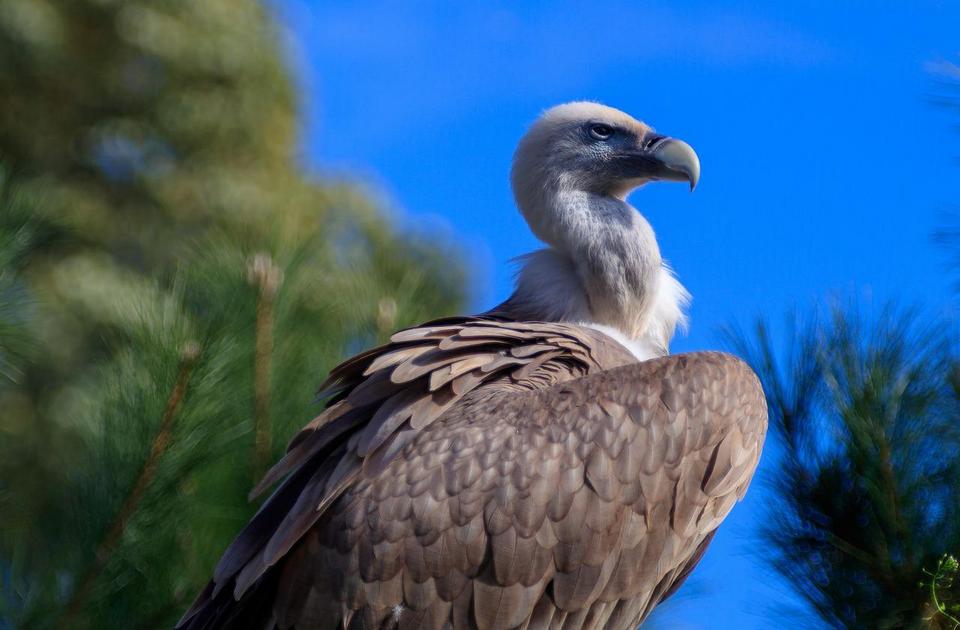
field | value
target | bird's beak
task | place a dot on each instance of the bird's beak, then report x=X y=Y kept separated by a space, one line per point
x=664 y=158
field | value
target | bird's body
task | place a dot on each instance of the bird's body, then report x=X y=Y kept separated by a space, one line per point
x=544 y=465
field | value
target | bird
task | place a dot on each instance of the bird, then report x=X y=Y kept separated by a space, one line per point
x=544 y=464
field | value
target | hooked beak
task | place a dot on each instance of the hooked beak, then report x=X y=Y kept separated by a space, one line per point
x=664 y=158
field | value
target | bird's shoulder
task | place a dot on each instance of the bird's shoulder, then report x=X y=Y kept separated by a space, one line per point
x=398 y=388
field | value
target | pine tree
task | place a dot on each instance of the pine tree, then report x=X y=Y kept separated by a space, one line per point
x=865 y=410
x=174 y=287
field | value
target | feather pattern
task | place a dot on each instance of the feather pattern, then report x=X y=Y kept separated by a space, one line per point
x=416 y=503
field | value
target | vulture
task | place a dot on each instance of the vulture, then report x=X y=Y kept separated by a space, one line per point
x=545 y=464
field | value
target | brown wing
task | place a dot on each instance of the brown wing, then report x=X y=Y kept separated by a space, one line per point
x=577 y=505
x=380 y=400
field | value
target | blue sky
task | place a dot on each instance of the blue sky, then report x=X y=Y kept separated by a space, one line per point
x=825 y=166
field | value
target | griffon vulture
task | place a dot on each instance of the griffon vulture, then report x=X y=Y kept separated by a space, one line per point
x=546 y=464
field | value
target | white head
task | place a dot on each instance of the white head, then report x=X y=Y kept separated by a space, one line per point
x=593 y=148
x=572 y=172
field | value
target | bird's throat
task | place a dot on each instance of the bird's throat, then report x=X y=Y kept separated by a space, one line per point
x=603 y=266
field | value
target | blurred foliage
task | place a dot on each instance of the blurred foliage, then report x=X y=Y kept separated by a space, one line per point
x=866 y=411
x=941 y=580
x=173 y=286
x=20 y=236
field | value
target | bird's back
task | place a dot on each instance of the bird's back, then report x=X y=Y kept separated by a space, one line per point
x=481 y=473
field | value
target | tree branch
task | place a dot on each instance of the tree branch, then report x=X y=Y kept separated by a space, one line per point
x=266 y=276
x=161 y=442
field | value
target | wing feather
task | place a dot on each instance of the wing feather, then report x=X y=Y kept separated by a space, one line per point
x=545 y=479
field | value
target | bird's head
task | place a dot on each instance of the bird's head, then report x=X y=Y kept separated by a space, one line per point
x=593 y=148
x=572 y=172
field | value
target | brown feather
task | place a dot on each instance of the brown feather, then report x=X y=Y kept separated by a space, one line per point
x=552 y=482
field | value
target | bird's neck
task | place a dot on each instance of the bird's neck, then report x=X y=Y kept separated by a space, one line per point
x=603 y=267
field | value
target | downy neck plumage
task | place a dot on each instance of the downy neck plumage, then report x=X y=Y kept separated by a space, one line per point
x=602 y=269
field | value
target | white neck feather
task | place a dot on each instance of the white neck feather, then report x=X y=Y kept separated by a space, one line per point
x=603 y=269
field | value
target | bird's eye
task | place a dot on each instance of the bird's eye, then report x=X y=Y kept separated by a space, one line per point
x=601 y=131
